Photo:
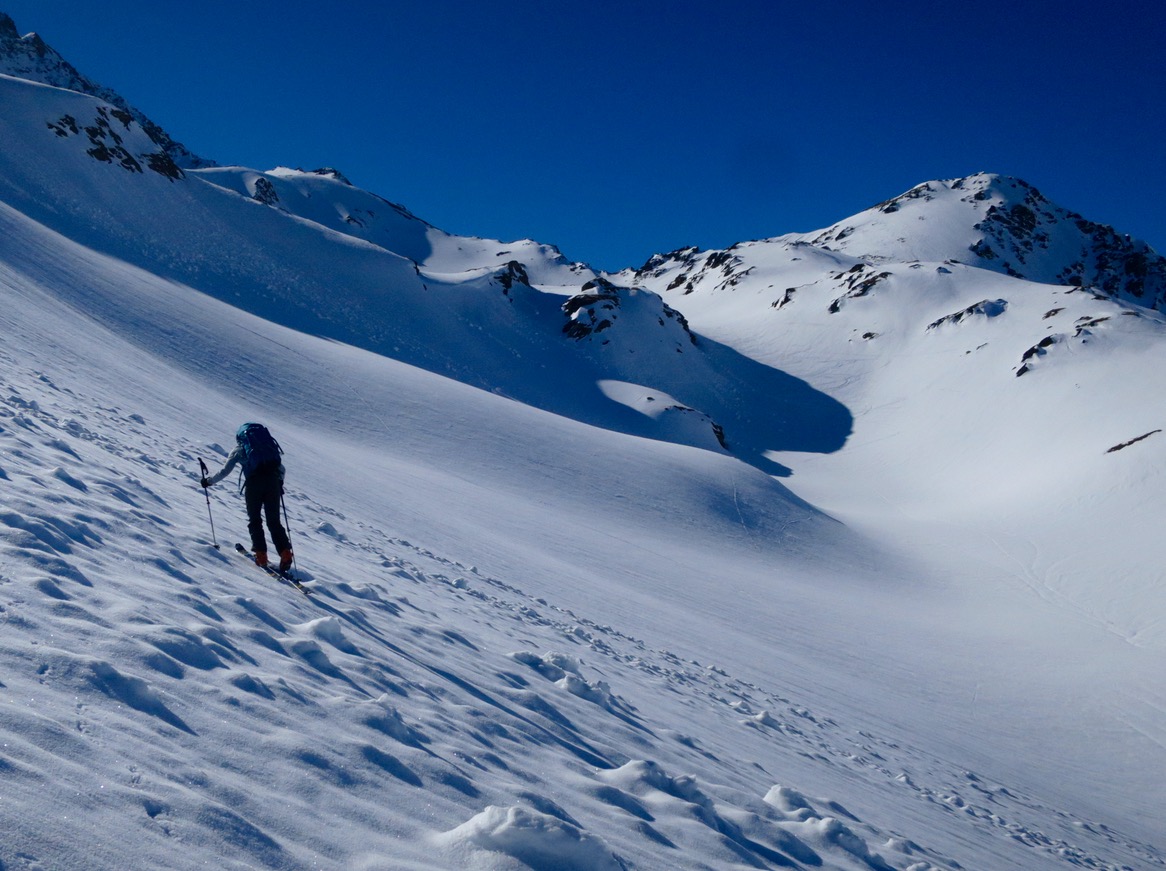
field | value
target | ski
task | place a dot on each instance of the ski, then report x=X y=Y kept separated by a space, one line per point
x=286 y=577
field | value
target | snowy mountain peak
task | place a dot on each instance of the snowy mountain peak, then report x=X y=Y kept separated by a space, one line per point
x=8 y=27
x=30 y=57
x=1006 y=225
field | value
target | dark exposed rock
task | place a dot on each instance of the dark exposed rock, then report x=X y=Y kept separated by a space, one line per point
x=718 y=259
x=1084 y=325
x=657 y=263
x=65 y=126
x=265 y=192
x=163 y=164
x=586 y=311
x=1133 y=441
x=514 y=273
x=786 y=298
x=1037 y=350
x=859 y=280
x=989 y=308
x=983 y=249
x=108 y=146
x=919 y=192
x=1031 y=232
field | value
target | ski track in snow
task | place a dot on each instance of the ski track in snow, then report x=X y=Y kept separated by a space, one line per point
x=440 y=716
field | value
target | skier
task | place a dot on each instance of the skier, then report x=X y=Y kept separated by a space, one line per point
x=257 y=452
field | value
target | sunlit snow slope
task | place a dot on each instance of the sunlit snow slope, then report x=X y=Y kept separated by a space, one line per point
x=787 y=556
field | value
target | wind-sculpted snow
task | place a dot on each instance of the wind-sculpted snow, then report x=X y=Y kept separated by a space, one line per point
x=203 y=713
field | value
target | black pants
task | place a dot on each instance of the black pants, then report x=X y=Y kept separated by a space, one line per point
x=261 y=493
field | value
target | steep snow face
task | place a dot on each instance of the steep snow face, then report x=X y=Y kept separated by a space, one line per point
x=1006 y=225
x=113 y=136
x=312 y=252
x=325 y=197
x=30 y=57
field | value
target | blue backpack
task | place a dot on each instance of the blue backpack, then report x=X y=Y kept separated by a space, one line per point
x=260 y=449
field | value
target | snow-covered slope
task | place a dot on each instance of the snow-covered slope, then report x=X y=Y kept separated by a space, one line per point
x=977 y=396
x=532 y=643
x=325 y=197
x=538 y=640
x=319 y=256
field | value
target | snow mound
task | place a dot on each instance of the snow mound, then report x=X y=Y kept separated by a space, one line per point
x=536 y=840
x=565 y=672
x=675 y=421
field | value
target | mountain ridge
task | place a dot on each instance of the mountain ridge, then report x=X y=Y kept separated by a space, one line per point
x=30 y=57
x=988 y=221
x=1017 y=230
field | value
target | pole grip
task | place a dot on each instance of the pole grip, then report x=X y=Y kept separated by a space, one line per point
x=210 y=517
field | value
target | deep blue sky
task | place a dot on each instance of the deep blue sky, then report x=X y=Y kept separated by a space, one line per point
x=616 y=130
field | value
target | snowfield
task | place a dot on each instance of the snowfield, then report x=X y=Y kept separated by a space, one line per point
x=805 y=554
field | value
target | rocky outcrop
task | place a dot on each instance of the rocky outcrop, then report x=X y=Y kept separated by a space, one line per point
x=1030 y=237
x=859 y=280
x=265 y=192
x=107 y=134
x=601 y=305
x=721 y=269
x=512 y=275
x=30 y=57
x=988 y=308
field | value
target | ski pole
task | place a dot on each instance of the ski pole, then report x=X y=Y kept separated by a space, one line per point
x=287 y=527
x=205 y=492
